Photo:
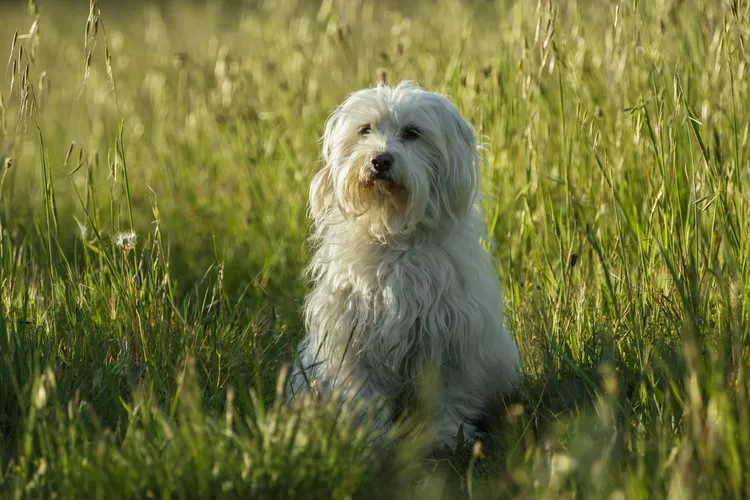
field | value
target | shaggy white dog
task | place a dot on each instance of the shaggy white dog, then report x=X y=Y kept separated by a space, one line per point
x=401 y=283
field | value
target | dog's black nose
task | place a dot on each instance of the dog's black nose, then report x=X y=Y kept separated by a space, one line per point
x=382 y=162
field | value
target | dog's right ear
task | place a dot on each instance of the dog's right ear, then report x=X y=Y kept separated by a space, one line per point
x=321 y=188
x=321 y=192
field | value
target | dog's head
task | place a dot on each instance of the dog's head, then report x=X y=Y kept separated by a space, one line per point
x=399 y=158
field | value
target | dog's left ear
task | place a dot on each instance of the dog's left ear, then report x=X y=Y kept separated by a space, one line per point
x=462 y=181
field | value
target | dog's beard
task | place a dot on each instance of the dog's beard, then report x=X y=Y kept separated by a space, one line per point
x=388 y=203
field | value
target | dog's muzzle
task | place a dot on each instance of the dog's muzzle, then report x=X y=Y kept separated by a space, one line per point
x=381 y=166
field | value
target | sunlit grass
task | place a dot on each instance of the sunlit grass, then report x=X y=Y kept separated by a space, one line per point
x=152 y=224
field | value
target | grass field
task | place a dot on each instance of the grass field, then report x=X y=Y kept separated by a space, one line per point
x=155 y=162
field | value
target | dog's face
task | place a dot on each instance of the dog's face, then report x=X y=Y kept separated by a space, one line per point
x=399 y=158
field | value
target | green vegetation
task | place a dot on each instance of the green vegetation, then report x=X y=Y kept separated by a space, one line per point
x=147 y=365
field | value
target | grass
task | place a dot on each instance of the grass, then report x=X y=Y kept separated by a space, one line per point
x=147 y=365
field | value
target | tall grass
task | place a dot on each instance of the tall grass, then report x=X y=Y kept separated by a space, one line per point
x=152 y=223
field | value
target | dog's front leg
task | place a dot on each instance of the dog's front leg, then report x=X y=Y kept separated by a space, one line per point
x=373 y=409
x=457 y=410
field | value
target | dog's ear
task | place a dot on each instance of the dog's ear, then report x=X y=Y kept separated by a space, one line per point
x=462 y=182
x=321 y=192
x=321 y=187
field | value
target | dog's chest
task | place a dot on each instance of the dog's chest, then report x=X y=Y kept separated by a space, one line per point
x=401 y=309
x=399 y=286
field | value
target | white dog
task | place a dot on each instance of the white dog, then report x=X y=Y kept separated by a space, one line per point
x=400 y=280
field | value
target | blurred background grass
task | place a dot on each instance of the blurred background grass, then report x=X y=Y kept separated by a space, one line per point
x=616 y=165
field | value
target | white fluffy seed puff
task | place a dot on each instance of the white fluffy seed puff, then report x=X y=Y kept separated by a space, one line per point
x=401 y=285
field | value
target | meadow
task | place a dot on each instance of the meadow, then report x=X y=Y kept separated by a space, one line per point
x=155 y=164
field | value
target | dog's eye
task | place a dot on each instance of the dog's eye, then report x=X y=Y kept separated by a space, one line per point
x=364 y=129
x=410 y=134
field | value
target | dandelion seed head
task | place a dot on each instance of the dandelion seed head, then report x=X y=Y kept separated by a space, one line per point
x=126 y=240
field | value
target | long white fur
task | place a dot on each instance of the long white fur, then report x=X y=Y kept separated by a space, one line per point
x=400 y=280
